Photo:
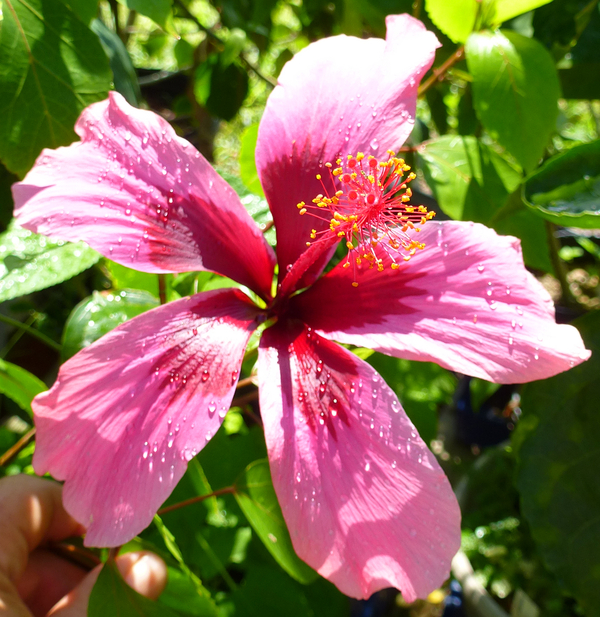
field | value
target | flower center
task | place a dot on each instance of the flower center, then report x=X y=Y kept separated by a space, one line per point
x=368 y=206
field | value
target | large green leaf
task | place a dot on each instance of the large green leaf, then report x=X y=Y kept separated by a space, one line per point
x=558 y=443
x=19 y=385
x=112 y=596
x=515 y=91
x=256 y=496
x=99 y=314
x=30 y=262
x=51 y=67
x=469 y=180
x=566 y=189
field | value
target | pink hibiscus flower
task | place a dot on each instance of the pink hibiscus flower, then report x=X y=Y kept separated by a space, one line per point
x=366 y=503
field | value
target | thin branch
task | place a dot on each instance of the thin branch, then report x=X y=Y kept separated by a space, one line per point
x=16 y=337
x=197 y=499
x=221 y=44
x=247 y=381
x=440 y=73
x=14 y=450
x=416 y=8
x=32 y=331
x=162 y=288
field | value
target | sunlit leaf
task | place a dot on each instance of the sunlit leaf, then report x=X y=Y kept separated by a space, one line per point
x=470 y=181
x=256 y=496
x=507 y=9
x=455 y=19
x=515 y=91
x=99 y=314
x=19 y=385
x=566 y=189
x=159 y=11
x=559 y=457
x=30 y=262
x=51 y=67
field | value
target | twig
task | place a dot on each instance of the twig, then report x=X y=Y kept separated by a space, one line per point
x=197 y=499
x=247 y=381
x=240 y=401
x=474 y=592
x=14 y=450
x=36 y=333
x=221 y=43
x=439 y=73
x=162 y=288
x=416 y=8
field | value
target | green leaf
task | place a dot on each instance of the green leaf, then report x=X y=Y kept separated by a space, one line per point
x=51 y=67
x=507 y=9
x=86 y=10
x=256 y=496
x=159 y=11
x=455 y=19
x=515 y=91
x=248 y=172
x=112 y=596
x=557 y=474
x=125 y=77
x=126 y=278
x=99 y=314
x=470 y=181
x=566 y=189
x=30 y=262
x=220 y=87
x=181 y=594
x=19 y=385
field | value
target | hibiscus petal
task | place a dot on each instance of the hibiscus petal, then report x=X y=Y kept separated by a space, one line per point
x=465 y=301
x=144 y=197
x=366 y=502
x=127 y=413
x=363 y=101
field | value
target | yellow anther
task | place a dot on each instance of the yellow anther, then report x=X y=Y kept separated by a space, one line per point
x=411 y=176
x=350 y=245
x=380 y=267
x=354 y=284
x=313 y=234
x=405 y=167
x=334 y=223
x=303 y=211
x=346 y=265
x=300 y=205
x=322 y=204
x=410 y=209
x=308 y=244
x=339 y=193
x=406 y=257
x=360 y=156
x=328 y=165
x=318 y=176
x=337 y=171
x=338 y=161
x=371 y=179
x=358 y=261
x=341 y=234
x=391 y=153
x=394 y=266
x=406 y=199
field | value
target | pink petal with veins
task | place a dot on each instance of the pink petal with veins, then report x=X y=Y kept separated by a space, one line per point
x=144 y=197
x=127 y=413
x=337 y=96
x=465 y=301
x=366 y=502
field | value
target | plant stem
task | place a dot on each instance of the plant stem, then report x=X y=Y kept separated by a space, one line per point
x=32 y=331
x=14 y=450
x=162 y=288
x=439 y=73
x=197 y=499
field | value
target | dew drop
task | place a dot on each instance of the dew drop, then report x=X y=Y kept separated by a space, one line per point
x=205 y=375
x=480 y=268
x=212 y=407
x=374 y=143
x=367 y=466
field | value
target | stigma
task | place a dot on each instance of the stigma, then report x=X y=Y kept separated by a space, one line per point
x=365 y=202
